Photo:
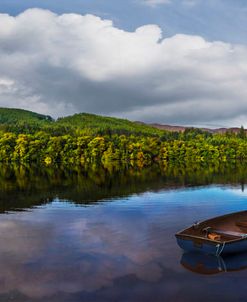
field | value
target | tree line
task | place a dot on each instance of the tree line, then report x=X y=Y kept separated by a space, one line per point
x=191 y=146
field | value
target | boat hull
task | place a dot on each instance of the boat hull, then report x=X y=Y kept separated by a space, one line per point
x=191 y=245
x=211 y=247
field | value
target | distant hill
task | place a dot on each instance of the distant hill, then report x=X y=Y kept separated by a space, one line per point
x=24 y=121
x=182 y=128
x=169 y=127
x=10 y=116
x=97 y=124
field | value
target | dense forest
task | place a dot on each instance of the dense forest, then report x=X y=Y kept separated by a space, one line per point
x=86 y=139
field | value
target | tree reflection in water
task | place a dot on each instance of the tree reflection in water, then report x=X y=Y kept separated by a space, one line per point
x=24 y=186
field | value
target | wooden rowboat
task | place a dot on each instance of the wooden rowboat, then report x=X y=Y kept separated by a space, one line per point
x=220 y=235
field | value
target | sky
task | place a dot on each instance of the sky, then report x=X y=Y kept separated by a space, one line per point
x=180 y=62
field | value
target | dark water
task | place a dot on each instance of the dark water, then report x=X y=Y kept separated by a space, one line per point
x=108 y=234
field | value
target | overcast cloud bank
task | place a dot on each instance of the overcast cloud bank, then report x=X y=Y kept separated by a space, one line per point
x=62 y=64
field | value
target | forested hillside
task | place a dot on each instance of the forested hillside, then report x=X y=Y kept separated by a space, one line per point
x=96 y=124
x=87 y=138
x=11 y=116
x=22 y=121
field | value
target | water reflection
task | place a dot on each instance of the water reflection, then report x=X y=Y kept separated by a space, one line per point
x=107 y=233
x=60 y=248
x=209 y=264
x=26 y=186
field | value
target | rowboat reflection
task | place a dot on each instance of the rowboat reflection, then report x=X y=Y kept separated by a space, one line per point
x=209 y=264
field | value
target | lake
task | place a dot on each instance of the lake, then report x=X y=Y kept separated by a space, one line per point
x=107 y=234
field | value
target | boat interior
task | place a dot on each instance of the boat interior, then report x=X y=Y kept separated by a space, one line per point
x=221 y=229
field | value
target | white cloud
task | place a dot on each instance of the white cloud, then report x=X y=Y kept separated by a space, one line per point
x=154 y=3
x=61 y=64
x=190 y=2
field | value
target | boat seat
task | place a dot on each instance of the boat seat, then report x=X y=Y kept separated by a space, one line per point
x=227 y=233
x=241 y=224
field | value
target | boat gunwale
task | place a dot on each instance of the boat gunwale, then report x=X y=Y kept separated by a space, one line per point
x=209 y=240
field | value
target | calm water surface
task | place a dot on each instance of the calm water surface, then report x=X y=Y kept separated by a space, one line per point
x=69 y=235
